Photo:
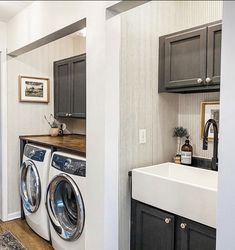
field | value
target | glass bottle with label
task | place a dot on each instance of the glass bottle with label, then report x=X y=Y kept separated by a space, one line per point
x=186 y=153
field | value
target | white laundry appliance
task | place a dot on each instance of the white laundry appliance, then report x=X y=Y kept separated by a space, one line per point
x=34 y=175
x=65 y=201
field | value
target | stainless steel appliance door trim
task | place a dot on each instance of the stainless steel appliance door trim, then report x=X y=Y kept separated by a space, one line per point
x=64 y=230
x=29 y=204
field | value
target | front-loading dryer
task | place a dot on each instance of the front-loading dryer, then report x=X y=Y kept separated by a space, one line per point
x=33 y=184
x=65 y=201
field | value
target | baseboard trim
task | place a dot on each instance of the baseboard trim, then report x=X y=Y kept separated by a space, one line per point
x=14 y=216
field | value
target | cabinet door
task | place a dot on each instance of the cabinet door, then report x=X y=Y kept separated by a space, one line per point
x=62 y=88
x=195 y=236
x=78 y=87
x=214 y=54
x=152 y=229
x=185 y=59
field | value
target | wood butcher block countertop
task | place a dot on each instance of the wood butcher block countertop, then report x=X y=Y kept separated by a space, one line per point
x=75 y=143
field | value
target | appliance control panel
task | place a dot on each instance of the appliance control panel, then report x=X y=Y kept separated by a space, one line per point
x=69 y=165
x=34 y=153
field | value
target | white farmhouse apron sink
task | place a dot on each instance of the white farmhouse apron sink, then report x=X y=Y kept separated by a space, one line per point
x=186 y=191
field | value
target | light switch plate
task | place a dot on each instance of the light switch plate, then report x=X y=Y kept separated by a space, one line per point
x=142 y=136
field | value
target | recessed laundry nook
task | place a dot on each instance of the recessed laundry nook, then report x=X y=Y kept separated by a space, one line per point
x=53 y=165
x=53 y=172
x=116 y=125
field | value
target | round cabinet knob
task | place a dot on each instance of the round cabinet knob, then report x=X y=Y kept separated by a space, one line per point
x=199 y=80
x=67 y=114
x=183 y=225
x=167 y=220
x=208 y=80
x=70 y=114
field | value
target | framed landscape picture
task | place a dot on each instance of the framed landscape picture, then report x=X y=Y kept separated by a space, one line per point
x=34 y=89
x=209 y=110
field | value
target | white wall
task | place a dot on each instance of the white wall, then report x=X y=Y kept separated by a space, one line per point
x=3 y=117
x=140 y=104
x=112 y=130
x=226 y=202
x=30 y=116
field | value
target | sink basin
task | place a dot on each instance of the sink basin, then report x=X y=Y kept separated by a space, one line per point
x=186 y=191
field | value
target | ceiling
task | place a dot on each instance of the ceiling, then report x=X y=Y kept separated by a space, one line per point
x=9 y=9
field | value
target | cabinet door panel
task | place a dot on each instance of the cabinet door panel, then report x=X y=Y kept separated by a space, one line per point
x=185 y=58
x=62 y=88
x=78 y=87
x=196 y=236
x=151 y=232
x=214 y=53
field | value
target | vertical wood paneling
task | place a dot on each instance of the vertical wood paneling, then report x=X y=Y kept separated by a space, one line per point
x=28 y=118
x=141 y=105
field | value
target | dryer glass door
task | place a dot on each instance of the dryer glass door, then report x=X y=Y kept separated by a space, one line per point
x=30 y=186
x=65 y=207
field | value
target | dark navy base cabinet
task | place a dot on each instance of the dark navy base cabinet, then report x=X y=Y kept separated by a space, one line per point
x=154 y=229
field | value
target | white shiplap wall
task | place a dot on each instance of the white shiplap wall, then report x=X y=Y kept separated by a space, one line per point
x=38 y=62
x=141 y=105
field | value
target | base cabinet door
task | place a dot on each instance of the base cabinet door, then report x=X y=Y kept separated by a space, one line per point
x=195 y=236
x=152 y=229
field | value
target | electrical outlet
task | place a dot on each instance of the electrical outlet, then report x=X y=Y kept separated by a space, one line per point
x=142 y=136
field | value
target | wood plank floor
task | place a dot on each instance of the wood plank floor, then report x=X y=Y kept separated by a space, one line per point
x=25 y=235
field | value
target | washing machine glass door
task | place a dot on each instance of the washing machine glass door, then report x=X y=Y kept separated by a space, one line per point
x=30 y=186
x=65 y=207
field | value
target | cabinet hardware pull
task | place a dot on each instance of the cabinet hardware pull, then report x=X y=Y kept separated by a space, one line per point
x=167 y=220
x=67 y=114
x=208 y=80
x=183 y=225
x=70 y=114
x=199 y=80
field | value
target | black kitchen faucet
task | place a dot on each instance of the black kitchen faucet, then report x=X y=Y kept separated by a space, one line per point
x=214 y=162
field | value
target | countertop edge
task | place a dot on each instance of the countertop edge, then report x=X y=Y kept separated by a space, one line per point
x=33 y=139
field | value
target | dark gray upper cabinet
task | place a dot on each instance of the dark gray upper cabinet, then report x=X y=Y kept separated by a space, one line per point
x=185 y=58
x=154 y=229
x=214 y=54
x=62 y=88
x=189 y=61
x=70 y=87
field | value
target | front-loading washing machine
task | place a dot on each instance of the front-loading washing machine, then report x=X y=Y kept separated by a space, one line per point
x=65 y=201
x=33 y=185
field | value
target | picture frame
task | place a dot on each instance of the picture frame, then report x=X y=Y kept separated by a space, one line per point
x=209 y=110
x=34 y=89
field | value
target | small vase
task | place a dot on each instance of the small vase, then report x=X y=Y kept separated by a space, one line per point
x=178 y=146
x=54 y=131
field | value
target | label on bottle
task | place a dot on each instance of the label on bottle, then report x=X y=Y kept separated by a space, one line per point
x=186 y=157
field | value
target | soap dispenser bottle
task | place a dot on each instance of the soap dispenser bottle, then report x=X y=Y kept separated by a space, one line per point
x=186 y=153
